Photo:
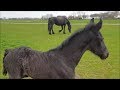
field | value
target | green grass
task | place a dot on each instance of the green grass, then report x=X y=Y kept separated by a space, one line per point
x=72 y=21
x=24 y=21
x=96 y=20
x=36 y=36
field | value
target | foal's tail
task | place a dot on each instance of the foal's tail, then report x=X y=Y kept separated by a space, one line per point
x=4 y=68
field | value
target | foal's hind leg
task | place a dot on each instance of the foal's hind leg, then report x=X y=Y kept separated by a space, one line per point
x=15 y=73
x=15 y=77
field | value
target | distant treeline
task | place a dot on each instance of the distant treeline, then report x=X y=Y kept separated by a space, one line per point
x=20 y=18
x=75 y=16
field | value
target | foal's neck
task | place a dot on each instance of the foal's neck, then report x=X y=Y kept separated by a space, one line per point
x=74 y=48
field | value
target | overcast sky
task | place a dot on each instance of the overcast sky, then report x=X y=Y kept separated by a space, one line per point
x=38 y=14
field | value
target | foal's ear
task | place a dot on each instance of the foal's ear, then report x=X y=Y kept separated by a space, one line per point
x=98 y=25
x=92 y=20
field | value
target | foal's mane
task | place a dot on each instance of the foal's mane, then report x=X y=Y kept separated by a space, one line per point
x=69 y=39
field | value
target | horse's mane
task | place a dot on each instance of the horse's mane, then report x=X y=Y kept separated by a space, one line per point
x=68 y=22
x=78 y=32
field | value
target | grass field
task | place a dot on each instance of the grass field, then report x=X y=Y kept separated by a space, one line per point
x=36 y=36
x=45 y=21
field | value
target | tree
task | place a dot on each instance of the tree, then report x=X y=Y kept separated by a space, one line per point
x=79 y=13
x=114 y=14
x=84 y=15
x=46 y=16
x=73 y=14
x=70 y=17
x=106 y=15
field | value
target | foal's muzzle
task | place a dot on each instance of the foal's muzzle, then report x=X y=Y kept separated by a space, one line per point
x=104 y=56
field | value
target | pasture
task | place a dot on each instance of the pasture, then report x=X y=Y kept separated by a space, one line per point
x=34 y=34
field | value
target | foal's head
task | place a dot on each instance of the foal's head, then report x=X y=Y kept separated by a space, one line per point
x=97 y=45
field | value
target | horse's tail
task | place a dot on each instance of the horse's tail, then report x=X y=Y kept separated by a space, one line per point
x=50 y=23
x=49 y=20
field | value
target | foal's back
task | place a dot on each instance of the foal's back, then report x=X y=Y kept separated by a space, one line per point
x=38 y=65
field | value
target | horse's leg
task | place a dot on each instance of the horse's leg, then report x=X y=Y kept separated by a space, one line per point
x=61 y=29
x=52 y=30
x=64 y=30
x=49 y=29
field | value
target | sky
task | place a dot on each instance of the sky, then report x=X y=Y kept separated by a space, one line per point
x=39 y=14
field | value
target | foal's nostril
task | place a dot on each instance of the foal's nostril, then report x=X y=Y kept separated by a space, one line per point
x=104 y=56
x=107 y=55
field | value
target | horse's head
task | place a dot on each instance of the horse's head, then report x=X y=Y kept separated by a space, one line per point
x=97 y=45
x=69 y=28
